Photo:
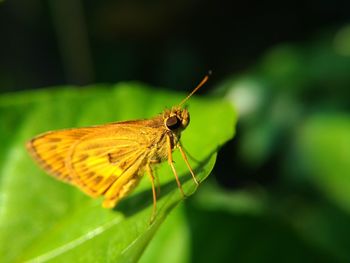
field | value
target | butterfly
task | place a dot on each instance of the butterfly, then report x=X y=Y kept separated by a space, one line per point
x=109 y=160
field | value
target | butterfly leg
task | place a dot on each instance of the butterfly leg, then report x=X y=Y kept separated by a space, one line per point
x=188 y=164
x=156 y=178
x=151 y=177
x=171 y=163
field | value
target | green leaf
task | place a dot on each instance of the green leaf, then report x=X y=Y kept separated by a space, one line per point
x=43 y=219
x=173 y=242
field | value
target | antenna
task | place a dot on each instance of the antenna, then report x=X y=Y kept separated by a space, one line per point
x=204 y=80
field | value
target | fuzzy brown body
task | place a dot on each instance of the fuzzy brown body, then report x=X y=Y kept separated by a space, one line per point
x=110 y=159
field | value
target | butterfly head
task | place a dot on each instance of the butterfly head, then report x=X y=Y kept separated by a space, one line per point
x=177 y=119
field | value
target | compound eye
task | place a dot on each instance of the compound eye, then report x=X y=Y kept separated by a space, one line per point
x=173 y=123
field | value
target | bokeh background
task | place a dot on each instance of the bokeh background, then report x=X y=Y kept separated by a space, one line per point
x=280 y=190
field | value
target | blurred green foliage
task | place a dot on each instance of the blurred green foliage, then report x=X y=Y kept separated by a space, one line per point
x=288 y=184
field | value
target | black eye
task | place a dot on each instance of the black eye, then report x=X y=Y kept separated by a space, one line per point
x=173 y=123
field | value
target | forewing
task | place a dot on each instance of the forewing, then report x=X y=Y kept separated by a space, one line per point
x=50 y=150
x=99 y=161
x=102 y=160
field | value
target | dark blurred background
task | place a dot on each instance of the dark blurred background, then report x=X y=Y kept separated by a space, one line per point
x=280 y=191
x=163 y=43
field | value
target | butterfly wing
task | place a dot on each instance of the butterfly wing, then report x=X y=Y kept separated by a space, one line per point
x=50 y=150
x=99 y=160
x=103 y=160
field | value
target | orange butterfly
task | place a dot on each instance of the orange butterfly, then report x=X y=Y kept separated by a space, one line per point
x=111 y=159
